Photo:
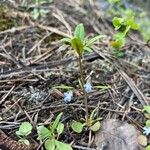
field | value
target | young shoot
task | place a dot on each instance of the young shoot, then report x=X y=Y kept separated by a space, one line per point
x=80 y=43
x=24 y=130
x=122 y=26
x=50 y=135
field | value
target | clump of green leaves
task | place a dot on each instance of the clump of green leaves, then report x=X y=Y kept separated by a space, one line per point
x=122 y=25
x=79 y=42
x=91 y=123
x=51 y=134
x=24 y=130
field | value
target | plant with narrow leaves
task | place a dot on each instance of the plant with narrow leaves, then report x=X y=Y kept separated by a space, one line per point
x=51 y=134
x=122 y=25
x=24 y=130
x=91 y=123
x=80 y=43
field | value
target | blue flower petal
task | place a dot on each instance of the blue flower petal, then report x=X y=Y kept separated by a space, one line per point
x=146 y=130
x=88 y=87
x=68 y=96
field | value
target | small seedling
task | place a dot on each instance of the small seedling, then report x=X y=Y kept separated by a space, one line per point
x=24 y=130
x=92 y=123
x=80 y=43
x=51 y=134
x=123 y=26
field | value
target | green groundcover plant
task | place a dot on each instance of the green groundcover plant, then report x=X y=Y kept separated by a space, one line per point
x=122 y=25
x=50 y=135
x=24 y=130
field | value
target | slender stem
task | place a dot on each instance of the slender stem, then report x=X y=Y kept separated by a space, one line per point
x=82 y=83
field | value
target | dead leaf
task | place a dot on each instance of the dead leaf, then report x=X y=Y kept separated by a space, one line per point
x=142 y=140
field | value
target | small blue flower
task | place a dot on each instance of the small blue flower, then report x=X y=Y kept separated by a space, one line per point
x=68 y=96
x=146 y=130
x=88 y=87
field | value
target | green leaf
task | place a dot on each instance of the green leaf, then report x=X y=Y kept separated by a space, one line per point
x=60 y=128
x=132 y=24
x=148 y=123
x=102 y=87
x=147 y=109
x=43 y=132
x=88 y=49
x=117 y=22
x=63 y=87
x=93 y=113
x=119 y=40
x=91 y=41
x=119 y=36
x=77 y=45
x=24 y=129
x=66 y=40
x=80 y=84
x=148 y=147
x=95 y=127
x=56 y=122
x=50 y=144
x=79 y=32
x=77 y=126
x=62 y=146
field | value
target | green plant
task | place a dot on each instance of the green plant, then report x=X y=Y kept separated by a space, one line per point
x=24 y=130
x=122 y=25
x=79 y=43
x=51 y=134
x=91 y=123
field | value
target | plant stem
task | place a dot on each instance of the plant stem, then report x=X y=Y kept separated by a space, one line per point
x=82 y=83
